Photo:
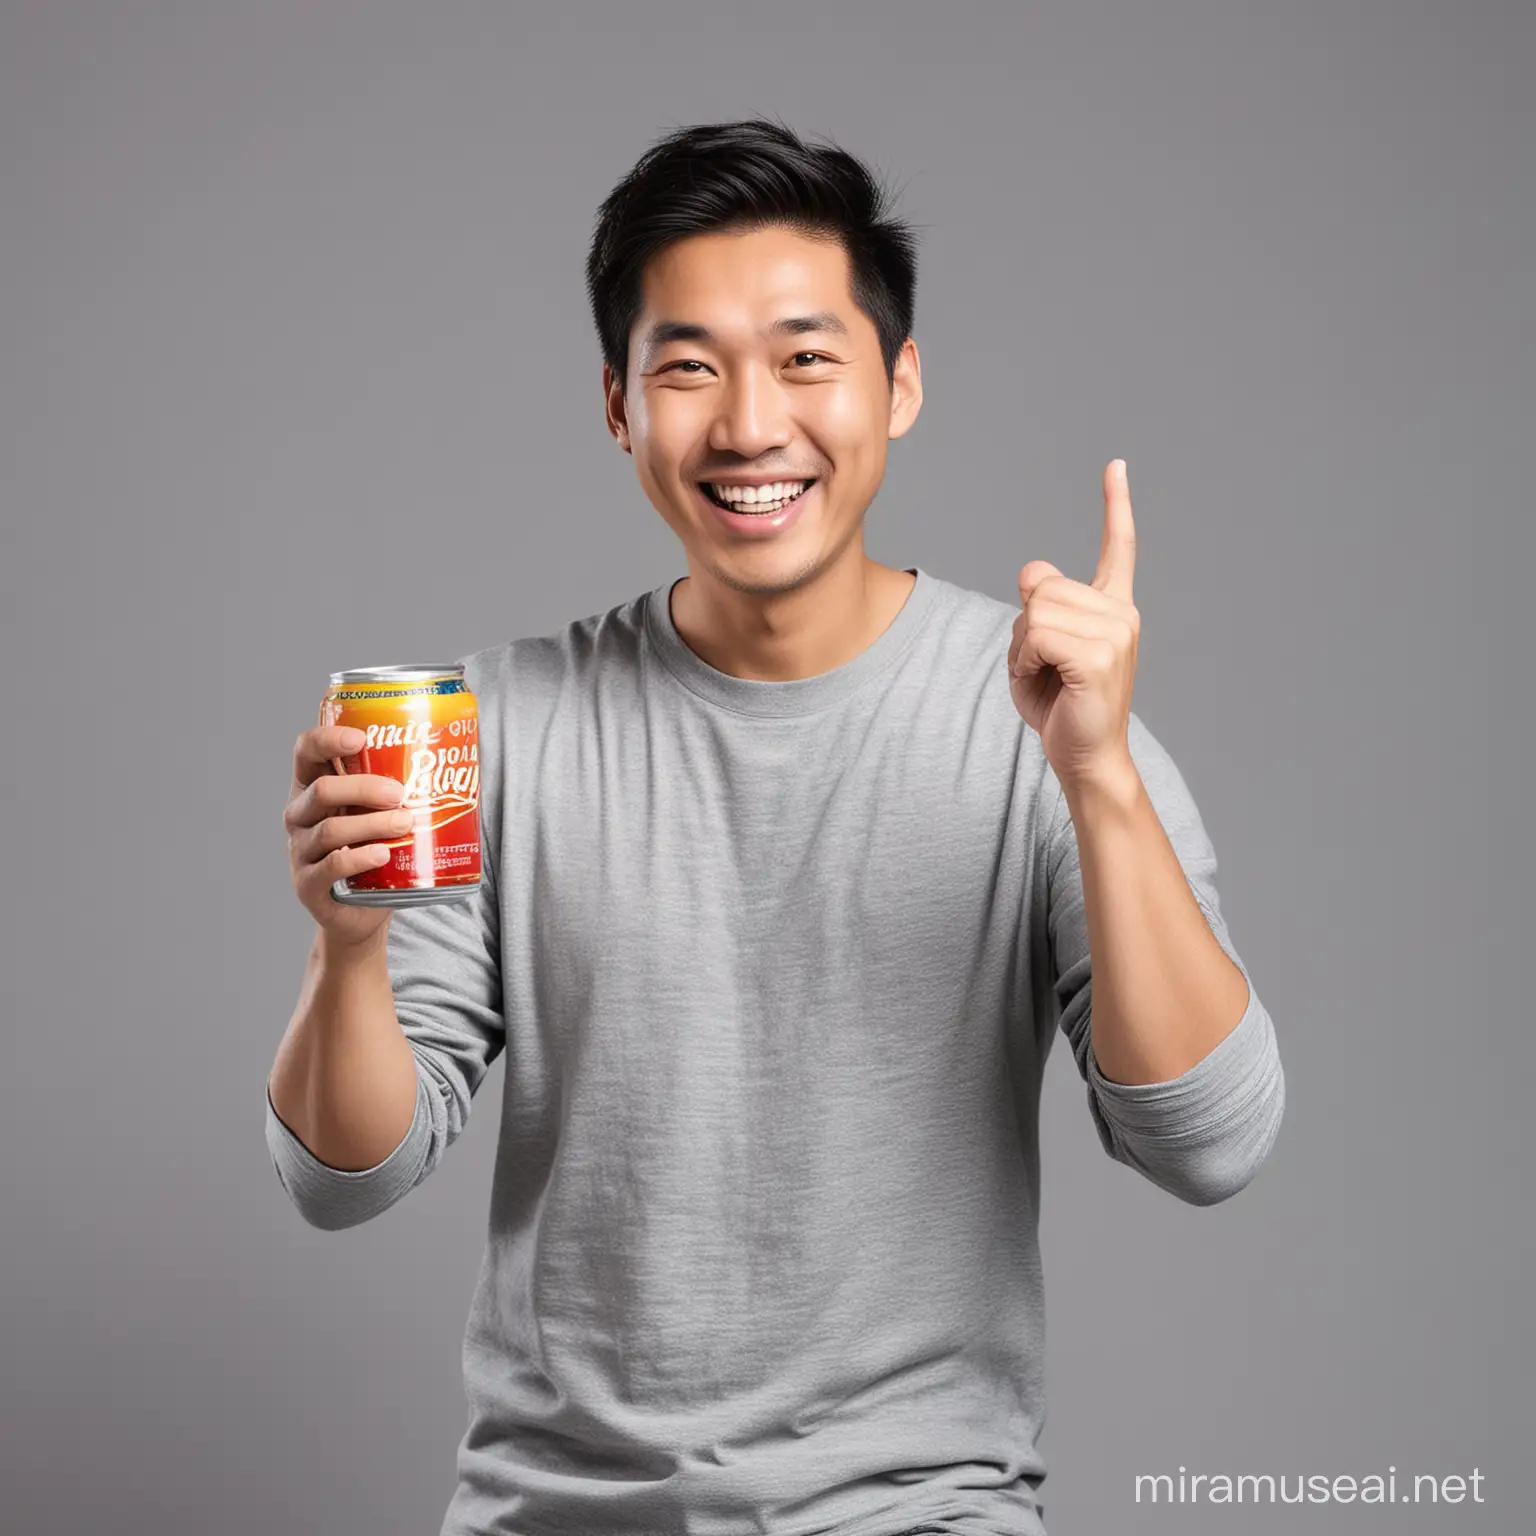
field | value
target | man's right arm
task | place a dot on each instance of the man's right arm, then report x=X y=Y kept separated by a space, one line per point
x=374 y=1079
x=400 y=1015
x=344 y=1081
x=348 y=1127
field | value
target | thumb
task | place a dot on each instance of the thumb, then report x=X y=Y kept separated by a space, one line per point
x=1032 y=575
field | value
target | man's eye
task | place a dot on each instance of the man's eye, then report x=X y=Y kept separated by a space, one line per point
x=693 y=362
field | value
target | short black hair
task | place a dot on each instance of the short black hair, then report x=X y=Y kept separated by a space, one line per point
x=741 y=175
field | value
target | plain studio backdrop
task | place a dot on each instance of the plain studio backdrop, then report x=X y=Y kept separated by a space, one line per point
x=296 y=373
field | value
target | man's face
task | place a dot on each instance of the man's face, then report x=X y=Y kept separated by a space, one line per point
x=750 y=365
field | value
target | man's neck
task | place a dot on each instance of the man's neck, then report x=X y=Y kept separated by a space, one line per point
x=780 y=636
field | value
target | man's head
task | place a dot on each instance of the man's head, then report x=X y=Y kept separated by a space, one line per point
x=754 y=304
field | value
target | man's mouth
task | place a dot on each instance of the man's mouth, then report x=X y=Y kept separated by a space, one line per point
x=756 y=500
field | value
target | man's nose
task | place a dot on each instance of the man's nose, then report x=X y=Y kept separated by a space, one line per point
x=753 y=415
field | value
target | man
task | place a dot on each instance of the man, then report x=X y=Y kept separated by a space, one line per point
x=793 y=866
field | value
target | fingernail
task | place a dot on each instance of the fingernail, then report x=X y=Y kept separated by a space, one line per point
x=352 y=739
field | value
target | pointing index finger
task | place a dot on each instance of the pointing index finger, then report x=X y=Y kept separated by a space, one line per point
x=1117 y=550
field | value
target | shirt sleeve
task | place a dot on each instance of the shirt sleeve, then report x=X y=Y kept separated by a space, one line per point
x=1202 y=1135
x=445 y=972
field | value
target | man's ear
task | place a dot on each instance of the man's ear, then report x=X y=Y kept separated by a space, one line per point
x=613 y=404
x=906 y=388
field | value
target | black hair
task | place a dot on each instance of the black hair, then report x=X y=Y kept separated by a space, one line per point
x=743 y=175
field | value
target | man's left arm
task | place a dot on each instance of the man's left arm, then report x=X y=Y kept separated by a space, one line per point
x=1176 y=1048
x=1165 y=993
x=1180 y=1058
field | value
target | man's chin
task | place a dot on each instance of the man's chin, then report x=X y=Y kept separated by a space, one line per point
x=760 y=574
x=774 y=568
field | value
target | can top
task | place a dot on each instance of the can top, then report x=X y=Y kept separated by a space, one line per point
x=403 y=673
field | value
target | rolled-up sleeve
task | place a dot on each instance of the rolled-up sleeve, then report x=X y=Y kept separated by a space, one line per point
x=1203 y=1135
x=333 y=1198
x=444 y=963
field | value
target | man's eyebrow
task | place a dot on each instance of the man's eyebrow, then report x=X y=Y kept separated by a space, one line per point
x=664 y=331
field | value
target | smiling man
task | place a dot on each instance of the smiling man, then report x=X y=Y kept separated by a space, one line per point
x=795 y=866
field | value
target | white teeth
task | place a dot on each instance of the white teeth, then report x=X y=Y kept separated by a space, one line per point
x=781 y=493
x=750 y=495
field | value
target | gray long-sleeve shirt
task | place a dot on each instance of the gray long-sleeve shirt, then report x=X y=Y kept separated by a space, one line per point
x=776 y=967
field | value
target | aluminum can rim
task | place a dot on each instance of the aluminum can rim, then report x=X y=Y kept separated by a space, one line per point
x=404 y=673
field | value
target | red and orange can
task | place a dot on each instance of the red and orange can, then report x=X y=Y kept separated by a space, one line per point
x=423 y=728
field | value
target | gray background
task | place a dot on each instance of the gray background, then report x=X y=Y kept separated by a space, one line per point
x=296 y=374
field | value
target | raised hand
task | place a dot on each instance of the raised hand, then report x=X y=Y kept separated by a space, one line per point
x=1072 y=661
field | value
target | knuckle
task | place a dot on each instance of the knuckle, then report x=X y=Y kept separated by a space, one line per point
x=311 y=842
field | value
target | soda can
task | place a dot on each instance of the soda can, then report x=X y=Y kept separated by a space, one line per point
x=423 y=728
